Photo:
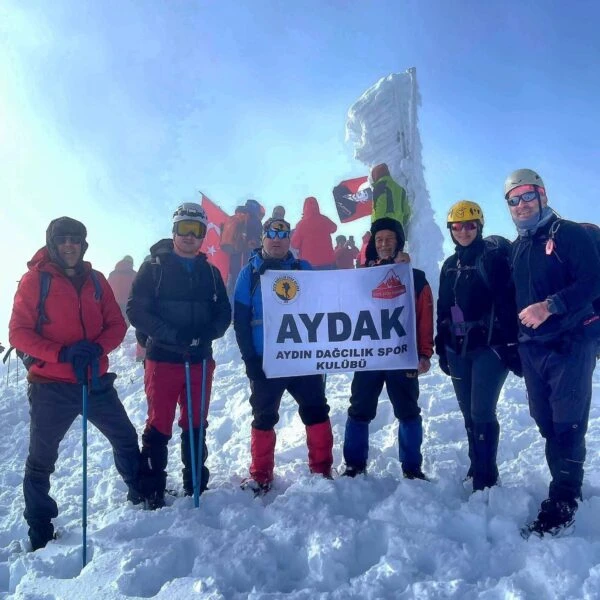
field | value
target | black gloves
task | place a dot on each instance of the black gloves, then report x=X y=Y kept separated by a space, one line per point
x=444 y=364
x=254 y=369
x=81 y=355
x=186 y=340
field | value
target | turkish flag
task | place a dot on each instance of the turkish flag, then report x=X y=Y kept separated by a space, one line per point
x=353 y=199
x=211 y=246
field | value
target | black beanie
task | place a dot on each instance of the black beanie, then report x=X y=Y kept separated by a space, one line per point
x=64 y=226
x=380 y=225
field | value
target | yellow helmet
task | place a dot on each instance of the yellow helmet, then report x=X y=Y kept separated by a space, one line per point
x=465 y=210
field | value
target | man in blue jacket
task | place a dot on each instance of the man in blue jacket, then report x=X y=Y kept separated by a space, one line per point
x=266 y=393
x=557 y=276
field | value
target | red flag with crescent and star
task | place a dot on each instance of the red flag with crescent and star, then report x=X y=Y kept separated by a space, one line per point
x=212 y=242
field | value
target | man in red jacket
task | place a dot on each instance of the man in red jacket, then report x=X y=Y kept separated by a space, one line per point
x=67 y=337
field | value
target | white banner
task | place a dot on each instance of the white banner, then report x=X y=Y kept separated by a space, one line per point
x=337 y=321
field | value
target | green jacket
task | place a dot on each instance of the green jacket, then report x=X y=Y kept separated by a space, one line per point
x=389 y=200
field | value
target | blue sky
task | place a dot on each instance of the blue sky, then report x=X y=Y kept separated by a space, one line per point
x=115 y=111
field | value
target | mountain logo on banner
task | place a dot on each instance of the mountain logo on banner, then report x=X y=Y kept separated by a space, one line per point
x=390 y=287
x=286 y=289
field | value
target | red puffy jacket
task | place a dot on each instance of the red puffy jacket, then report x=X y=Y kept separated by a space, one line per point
x=121 y=280
x=312 y=236
x=72 y=316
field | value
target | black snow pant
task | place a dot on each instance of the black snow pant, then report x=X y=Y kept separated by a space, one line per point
x=306 y=390
x=403 y=390
x=53 y=408
x=559 y=388
x=478 y=377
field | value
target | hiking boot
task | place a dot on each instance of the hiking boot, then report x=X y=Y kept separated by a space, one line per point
x=155 y=501
x=256 y=487
x=556 y=518
x=414 y=474
x=135 y=497
x=354 y=471
x=41 y=535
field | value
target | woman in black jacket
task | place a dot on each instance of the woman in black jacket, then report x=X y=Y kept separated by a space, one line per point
x=477 y=332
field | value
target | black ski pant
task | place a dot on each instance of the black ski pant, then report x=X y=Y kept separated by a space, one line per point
x=559 y=388
x=402 y=388
x=306 y=390
x=53 y=408
x=478 y=377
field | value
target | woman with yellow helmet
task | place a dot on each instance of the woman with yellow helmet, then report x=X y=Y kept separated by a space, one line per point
x=476 y=332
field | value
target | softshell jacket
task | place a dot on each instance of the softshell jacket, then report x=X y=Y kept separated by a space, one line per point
x=465 y=288
x=120 y=281
x=248 y=309
x=569 y=274
x=424 y=309
x=389 y=200
x=71 y=316
x=171 y=306
x=312 y=236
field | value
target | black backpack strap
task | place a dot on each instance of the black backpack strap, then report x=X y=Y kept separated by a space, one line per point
x=97 y=285
x=42 y=318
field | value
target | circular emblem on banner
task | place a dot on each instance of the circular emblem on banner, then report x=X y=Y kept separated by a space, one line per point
x=286 y=289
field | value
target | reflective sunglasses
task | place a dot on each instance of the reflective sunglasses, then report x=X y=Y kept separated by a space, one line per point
x=195 y=228
x=59 y=240
x=466 y=226
x=526 y=197
x=277 y=233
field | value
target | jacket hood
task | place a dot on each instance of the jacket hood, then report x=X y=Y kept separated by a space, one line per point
x=311 y=207
x=165 y=246
x=380 y=225
x=43 y=261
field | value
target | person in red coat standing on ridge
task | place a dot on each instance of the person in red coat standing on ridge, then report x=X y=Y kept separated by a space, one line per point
x=312 y=236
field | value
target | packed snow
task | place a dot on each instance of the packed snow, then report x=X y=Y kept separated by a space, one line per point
x=383 y=127
x=378 y=536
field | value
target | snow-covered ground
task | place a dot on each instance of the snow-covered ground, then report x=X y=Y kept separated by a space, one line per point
x=378 y=536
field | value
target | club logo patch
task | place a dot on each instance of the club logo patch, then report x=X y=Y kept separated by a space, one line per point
x=286 y=289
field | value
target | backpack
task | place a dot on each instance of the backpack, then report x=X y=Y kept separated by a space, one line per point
x=233 y=235
x=591 y=324
x=42 y=318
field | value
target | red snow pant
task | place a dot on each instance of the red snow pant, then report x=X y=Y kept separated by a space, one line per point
x=165 y=389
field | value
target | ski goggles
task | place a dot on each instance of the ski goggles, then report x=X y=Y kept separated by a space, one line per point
x=463 y=226
x=59 y=240
x=529 y=194
x=195 y=228
x=277 y=233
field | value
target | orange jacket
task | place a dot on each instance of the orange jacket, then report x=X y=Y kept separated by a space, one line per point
x=312 y=236
x=120 y=281
x=72 y=316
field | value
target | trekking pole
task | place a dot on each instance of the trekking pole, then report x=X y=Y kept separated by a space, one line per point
x=84 y=416
x=8 y=369
x=201 y=441
x=188 y=391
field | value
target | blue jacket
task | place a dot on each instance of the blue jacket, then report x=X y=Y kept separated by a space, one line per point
x=248 y=310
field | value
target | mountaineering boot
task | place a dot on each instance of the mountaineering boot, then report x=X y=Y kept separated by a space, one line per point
x=485 y=470
x=319 y=440
x=410 y=438
x=153 y=473
x=556 y=519
x=262 y=449
x=186 y=459
x=356 y=447
x=256 y=487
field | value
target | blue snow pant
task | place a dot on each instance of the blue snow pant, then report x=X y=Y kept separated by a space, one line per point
x=559 y=388
x=53 y=407
x=478 y=377
x=403 y=391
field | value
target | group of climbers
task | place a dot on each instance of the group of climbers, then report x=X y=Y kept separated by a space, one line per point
x=500 y=308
